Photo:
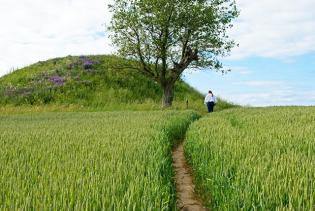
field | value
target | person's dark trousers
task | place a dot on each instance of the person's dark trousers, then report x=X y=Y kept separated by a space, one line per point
x=210 y=106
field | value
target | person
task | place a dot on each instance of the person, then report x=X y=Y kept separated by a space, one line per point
x=210 y=101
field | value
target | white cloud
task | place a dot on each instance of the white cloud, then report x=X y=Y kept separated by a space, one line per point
x=274 y=29
x=278 y=97
x=241 y=70
x=262 y=83
x=34 y=30
x=269 y=93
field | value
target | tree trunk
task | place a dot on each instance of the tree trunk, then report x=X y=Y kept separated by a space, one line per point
x=168 y=95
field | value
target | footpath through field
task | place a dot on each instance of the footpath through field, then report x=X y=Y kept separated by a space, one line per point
x=187 y=199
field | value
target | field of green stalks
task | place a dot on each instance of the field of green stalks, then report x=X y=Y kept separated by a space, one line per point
x=255 y=159
x=89 y=161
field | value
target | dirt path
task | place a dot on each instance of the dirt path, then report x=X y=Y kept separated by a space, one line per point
x=186 y=197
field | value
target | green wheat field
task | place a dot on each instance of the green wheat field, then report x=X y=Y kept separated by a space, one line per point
x=89 y=161
x=260 y=159
x=97 y=139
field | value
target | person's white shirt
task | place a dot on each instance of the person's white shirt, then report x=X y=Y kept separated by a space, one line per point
x=210 y=98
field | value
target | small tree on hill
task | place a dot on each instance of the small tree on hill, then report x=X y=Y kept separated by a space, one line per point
x=168 y=36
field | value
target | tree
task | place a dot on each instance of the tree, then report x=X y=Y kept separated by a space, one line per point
x=168 y=36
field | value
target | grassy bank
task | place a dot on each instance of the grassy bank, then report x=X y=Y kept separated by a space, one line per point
x=101 y=83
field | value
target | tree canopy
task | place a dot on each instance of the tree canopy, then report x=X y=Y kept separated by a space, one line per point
x=168 y=36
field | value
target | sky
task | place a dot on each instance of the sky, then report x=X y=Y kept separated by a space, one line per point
x=273 y=65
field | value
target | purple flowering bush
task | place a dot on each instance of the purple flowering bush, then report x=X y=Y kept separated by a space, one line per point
x=87 y=63
x=57 y=80
x=84 y=62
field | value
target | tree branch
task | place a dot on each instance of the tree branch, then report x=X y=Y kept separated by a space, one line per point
x=187 y=59
x=145 y=69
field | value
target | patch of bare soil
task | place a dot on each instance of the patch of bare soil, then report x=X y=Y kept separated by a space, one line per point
x=187 y=200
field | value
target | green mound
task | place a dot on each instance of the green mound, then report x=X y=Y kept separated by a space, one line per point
x=90 y=81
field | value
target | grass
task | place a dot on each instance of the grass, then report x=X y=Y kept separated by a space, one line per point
x=102 y=85
x=255 y=159
x=90 y=161
x=61 y=151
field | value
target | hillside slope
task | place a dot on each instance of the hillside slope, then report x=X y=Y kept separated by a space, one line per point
x=90 y=81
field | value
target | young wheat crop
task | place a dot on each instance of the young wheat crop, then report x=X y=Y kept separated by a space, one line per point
x=89 y=161
x=255 y=159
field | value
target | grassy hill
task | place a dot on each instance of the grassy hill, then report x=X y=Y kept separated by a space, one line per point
x=98 y=82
